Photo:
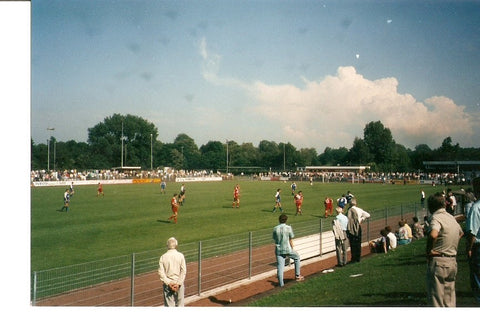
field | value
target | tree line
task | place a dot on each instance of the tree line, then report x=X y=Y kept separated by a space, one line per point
x=130 y=140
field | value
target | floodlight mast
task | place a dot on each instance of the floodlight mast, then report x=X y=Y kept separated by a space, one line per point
x=121 y=155
x=227 y=156
x=48 y=151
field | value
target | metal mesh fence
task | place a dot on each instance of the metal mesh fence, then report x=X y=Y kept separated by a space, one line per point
x=132 y=280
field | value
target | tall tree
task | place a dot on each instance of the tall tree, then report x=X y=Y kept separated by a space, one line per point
x=421 y=153
x=213 y=155
x=107 y=147
x=269 y=154
x=359 y=154
x=333 y=157
x=380 y=143
x=189 y=151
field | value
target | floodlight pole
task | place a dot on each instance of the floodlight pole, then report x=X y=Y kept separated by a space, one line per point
x=48 y=151
x=48 y=155
x=151 y=151
x=121 y=159
x=227 y=154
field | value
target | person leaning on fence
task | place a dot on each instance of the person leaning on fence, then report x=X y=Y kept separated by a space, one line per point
x=339 y=228
x=442 y=245
x=282 y=236
x=172 y=271
x=356 y=216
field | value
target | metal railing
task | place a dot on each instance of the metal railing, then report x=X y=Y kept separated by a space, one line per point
x=132 y=280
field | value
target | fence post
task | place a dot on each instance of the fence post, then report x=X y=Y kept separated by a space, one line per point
x=34 y=298
x=199 y=267
x=321 y=237
x=250 y=257
x=386 y=215
x=368 y=229
x=132 y=282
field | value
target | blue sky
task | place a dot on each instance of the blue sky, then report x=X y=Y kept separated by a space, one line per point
x=312 y=73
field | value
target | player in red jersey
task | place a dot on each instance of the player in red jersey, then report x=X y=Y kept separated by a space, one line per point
x=100 y=189
x=174 y=204
x=236 y=197
x=328 y=206
x=298 y=198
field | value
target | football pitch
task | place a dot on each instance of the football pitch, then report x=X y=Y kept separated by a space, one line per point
x=133 y=218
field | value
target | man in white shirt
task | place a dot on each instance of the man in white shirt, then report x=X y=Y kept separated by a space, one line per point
x=172 y=271
x=356 y=216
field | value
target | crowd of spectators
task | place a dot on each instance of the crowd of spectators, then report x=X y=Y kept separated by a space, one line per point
x=170 y=174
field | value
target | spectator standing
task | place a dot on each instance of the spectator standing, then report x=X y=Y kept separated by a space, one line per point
x=451 y=202
x=473 y=241
x=339 y=227
x=283 y=238
x=172 y=271
x=442 y=245
x=470 y=199
x=356 y=216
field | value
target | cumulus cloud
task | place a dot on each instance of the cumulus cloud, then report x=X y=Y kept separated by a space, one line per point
x=335 y=109
x=332 y=111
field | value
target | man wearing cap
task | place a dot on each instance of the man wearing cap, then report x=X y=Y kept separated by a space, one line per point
x=473 y=241
x=172 y=270
x=441 y=251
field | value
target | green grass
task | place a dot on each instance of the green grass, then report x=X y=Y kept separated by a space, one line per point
x=396 y=279
x=133 y=218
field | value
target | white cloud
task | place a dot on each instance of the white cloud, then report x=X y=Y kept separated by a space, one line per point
x=211 y=66
x=334 y=110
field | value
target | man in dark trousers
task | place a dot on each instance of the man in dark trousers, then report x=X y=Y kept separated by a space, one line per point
x=356 y=216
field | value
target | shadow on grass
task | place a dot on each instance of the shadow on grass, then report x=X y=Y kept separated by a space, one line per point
x=392 y=299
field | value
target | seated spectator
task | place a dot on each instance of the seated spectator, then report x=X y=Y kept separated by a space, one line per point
x=392 y=238
x=426 y=226
x=382 y=244
x=403 y=233
x=409 y=228
x=417 y=228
